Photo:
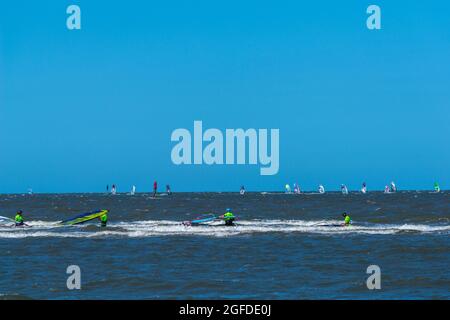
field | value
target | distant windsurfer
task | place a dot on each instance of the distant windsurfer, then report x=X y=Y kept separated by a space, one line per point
x=113 y=189
x=393 y=188
x=155 y=188
x=344 y=189
x=296 y=188
x=168 y=191
x=436 y=187
x=364 y=188
x=242 y=191
x=288 y=188
x=321 y=189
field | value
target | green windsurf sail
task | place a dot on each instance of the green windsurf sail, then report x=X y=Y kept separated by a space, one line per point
x=82 y=218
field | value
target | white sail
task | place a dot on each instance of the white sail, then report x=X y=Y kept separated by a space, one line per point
x=288 y=188
x=321 y=189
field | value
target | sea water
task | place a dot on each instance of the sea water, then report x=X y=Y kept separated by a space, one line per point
x=284 y=246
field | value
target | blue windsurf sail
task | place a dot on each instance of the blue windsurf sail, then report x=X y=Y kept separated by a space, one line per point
x=82 y=218
x=202 y=219
x=4 y=220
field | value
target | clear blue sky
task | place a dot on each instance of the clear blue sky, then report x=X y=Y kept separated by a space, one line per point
x=82 y=109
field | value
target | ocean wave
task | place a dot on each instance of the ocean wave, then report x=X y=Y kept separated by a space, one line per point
x=152 y=228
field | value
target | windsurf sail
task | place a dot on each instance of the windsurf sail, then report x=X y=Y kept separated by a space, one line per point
x=321 y=189
x=4 y=220
x=202 y=219
x=287 y=187
x=393 y=187
x=436 y=187
x=82 y=218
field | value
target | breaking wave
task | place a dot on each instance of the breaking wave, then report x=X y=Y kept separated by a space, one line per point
x=152 y=228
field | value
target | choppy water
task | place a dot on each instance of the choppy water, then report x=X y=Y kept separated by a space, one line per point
x=279 y=249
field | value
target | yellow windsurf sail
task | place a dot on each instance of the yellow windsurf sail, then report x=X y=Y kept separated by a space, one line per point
x=84 y=217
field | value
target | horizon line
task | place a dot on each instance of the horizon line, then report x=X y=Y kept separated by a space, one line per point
x=237 y=192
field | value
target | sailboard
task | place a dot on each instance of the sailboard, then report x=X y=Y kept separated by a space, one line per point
x=330 y=225
x=82 y=218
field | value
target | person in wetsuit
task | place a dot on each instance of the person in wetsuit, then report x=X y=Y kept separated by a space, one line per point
x=104 y=219
x=229 y=218
x=19 y=219
x=347 y=219
x=155 y=188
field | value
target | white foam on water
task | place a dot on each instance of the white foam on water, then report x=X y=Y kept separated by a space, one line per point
x=152 y=228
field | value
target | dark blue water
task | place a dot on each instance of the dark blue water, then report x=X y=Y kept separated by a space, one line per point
x=279 y=249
